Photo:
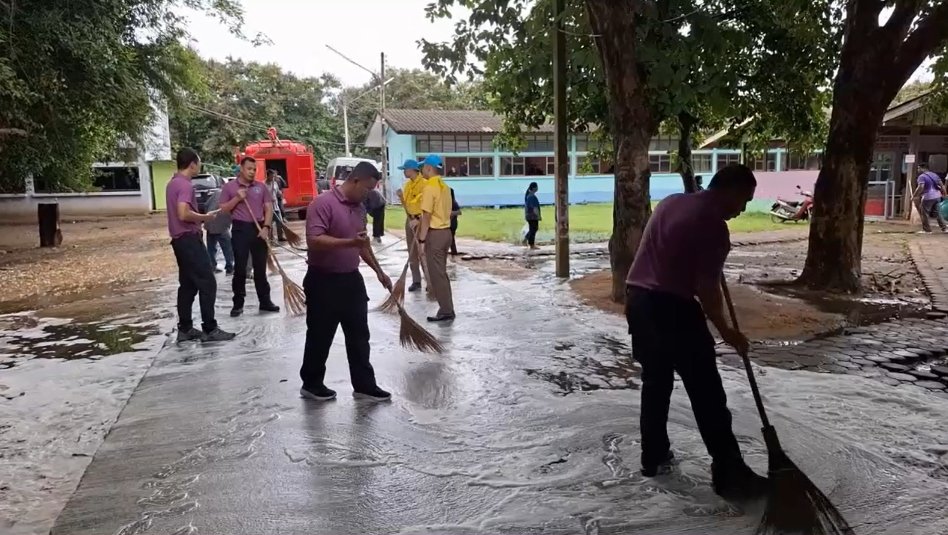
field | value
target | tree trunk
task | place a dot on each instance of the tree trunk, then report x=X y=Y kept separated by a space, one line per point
x=834 y=257
x=686 y=128
x=632 y=127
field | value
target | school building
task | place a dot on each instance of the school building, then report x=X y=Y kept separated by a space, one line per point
x=483 y=175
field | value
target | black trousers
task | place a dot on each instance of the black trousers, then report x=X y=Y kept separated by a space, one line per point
x=378 y=222
x=454 y=230
x=670 y=334
x=247 y=243
x=195 y=278
x=334 y=299
x=533 y=227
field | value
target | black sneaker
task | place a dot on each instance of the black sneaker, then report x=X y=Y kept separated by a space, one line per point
x=737 y=482
x=376 y=394
x=441 y=318
x=236 y=311
x=317 y=393
x=189 y=335
x=269 y=307
x=662 y=468
x=229 y=271
x=415 y=286
x=217 y=335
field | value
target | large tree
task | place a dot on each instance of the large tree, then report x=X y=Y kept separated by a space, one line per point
x=876 y=60
x=78 y=77
x=635 y=64
x=236 y=101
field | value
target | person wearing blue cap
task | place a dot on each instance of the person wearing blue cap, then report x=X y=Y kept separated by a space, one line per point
x=411 y=200
x=435 y=235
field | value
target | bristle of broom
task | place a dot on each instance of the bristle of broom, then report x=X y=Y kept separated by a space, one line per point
x=272 y=263
x=414 y=336
x=292 y=238
x=294 y=298
x=397 y=295
x=795 y=505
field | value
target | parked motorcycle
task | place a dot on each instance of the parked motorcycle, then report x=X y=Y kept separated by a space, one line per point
x=786 y=210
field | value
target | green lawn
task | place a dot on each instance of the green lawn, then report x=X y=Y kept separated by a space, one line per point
x=587 y=222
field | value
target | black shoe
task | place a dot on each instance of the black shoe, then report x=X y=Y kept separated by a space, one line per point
x=441 y=318
x=236 y=311
x=662 y=468
x=737 y=482
x=376 y=394
x=269 y=307
x=189 y=335
x=218 y=270
x=218 y=335
x=317 y=393
x=378 y=240
x=415 y=286
x=229 y=271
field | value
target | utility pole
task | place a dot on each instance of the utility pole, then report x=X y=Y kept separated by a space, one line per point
x=385 y=187
x=345 y=123
x=561 y=159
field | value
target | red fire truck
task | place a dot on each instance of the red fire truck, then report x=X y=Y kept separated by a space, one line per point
x=291 y=160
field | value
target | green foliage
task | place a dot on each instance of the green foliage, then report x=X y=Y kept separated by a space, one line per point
x=81 y=76
x=235 y=102
x=720 y=61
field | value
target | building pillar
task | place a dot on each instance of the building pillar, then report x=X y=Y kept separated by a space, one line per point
x=911 y=170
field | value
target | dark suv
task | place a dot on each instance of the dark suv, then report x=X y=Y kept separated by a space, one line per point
x=204 y=186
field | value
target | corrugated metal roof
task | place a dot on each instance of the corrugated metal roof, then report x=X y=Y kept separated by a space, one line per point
x=447 y=121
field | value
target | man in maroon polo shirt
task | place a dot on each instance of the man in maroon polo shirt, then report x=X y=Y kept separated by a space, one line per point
x=195 y=274
x=246 y=239
x=681 y=258
x=335 y=291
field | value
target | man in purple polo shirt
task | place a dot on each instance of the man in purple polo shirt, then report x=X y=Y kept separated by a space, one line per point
x=246 y=239
x=681 y=258
x=928 y=196
x=195 y=274
x=335 y=291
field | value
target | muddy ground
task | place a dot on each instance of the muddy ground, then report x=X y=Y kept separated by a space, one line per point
x=771 y=307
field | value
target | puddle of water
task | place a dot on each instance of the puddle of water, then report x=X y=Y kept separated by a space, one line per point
x=24 y=337
x=858 y=311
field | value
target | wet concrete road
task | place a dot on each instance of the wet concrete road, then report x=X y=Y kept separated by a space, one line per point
x=527 y=425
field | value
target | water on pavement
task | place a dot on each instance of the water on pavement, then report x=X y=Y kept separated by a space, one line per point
x=528 y=424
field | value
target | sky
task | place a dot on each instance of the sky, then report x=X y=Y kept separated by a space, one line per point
x=301 y=29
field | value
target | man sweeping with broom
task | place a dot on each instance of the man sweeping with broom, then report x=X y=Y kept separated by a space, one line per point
x=681 y=258
x=335 y=291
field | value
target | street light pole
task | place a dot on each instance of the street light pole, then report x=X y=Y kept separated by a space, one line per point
x=345 y=123
x=382 y=121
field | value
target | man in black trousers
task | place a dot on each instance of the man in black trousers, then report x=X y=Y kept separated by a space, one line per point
x=250 y=204
x=195 y=274
x=335 y=291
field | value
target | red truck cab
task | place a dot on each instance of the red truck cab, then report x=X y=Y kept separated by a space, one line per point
x=291 y=160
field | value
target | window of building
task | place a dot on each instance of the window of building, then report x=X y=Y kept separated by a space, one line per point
x=551 y=166
x=468 y=166
x=589 y=167
x=701 y=163
x=426 y=143
x=664 y=143
x=797 y=160
x=725 y=160
x=763 y=162
x=659 y=163
x=116 y=178
x=513 y=166
x=538 y=142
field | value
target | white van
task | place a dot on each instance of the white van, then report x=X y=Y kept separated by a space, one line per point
x=337 y=169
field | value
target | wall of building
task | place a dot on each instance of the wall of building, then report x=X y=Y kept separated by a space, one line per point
x=509 y=191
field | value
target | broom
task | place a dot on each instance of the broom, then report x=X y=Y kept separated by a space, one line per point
x=397 y=295
x=294 y=298
x=292 y=238
x=794 y=504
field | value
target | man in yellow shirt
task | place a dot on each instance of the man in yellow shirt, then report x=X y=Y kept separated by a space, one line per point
x=411 y=200
x=435 y=235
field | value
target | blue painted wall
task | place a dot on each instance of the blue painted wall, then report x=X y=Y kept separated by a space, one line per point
x=509 y=191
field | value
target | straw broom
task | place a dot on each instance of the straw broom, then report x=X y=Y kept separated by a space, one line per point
x=292 y=237
x=294 y=298
x=794 y=504
x=397 y=295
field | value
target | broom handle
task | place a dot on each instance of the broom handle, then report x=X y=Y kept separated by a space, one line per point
x=747 y=363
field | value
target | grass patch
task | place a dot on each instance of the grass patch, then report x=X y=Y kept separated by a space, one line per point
x=588 y=223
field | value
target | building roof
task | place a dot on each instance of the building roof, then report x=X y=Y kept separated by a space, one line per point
x=447 y=121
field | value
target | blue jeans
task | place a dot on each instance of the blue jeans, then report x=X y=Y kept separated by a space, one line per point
x=228 y=250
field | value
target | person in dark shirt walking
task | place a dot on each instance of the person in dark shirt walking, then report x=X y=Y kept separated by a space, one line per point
x=195 y=275
x=455 y=212
x=531 y=212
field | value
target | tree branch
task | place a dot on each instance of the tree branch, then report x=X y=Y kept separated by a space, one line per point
x=931 y=32
x=902 y=16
